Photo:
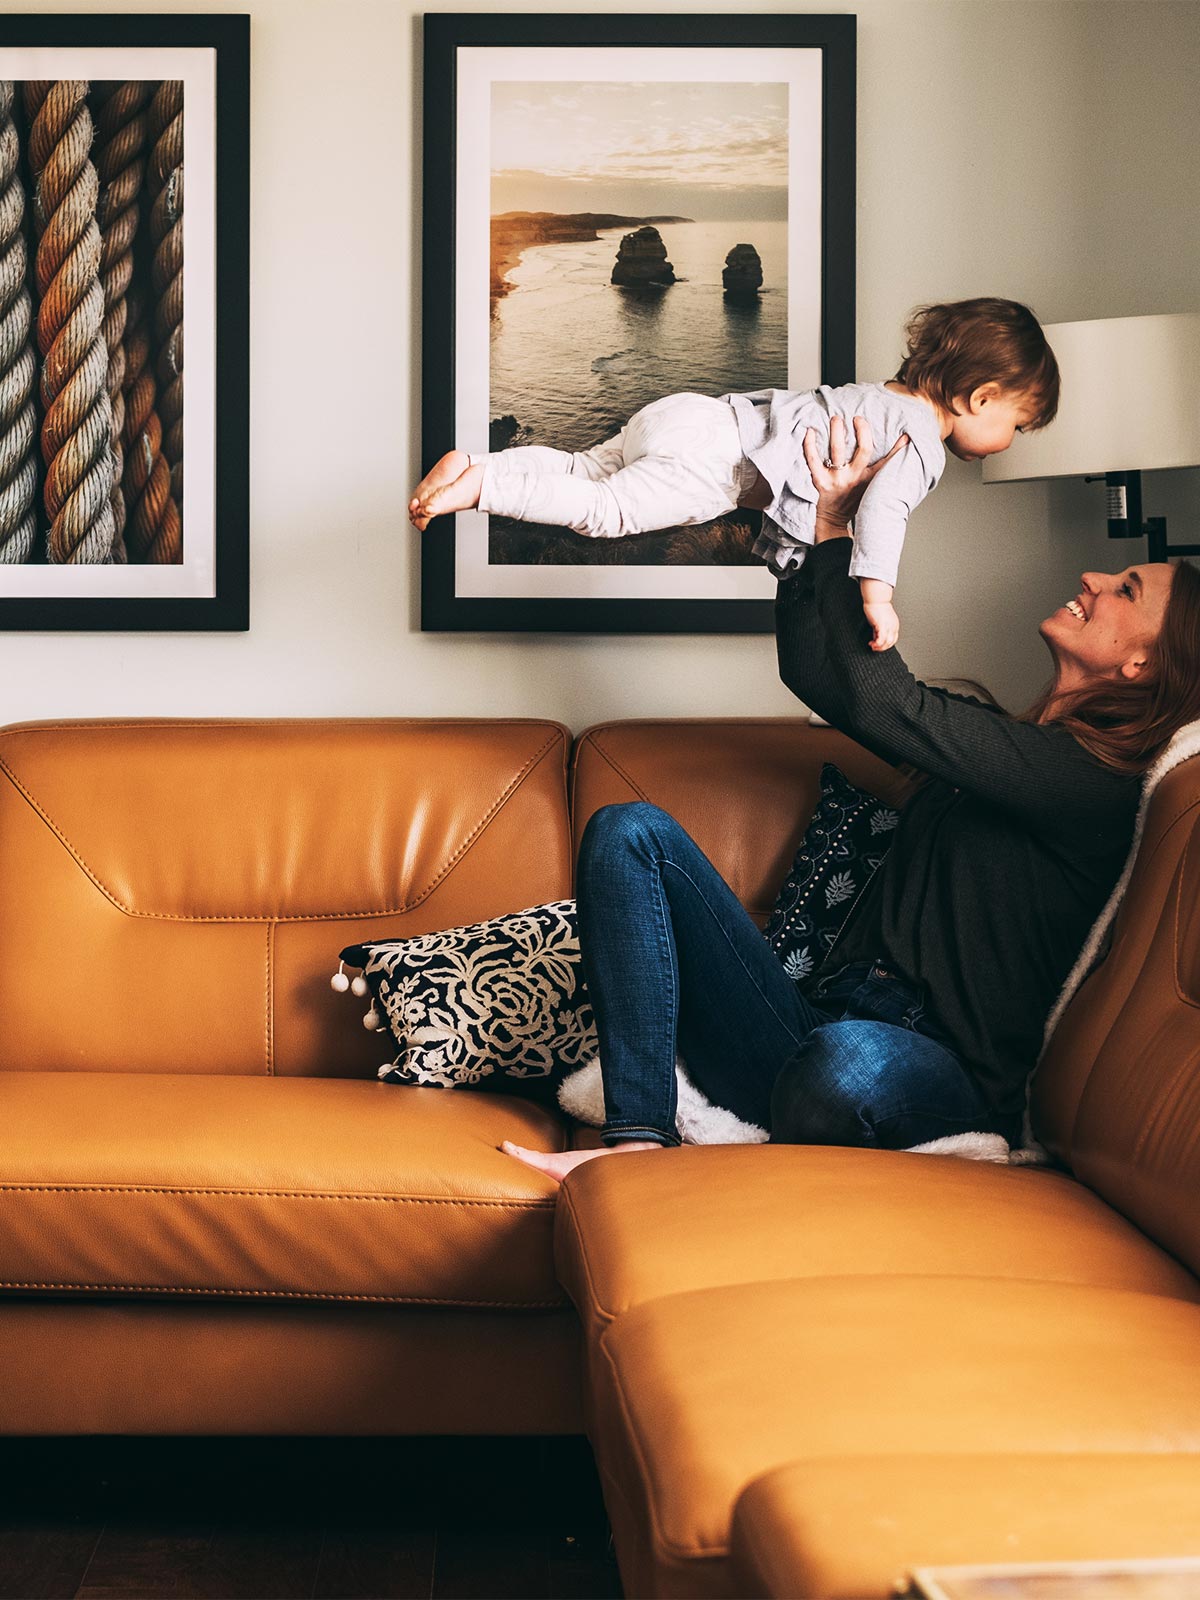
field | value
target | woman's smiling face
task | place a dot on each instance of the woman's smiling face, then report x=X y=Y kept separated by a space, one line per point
x=1109 y=629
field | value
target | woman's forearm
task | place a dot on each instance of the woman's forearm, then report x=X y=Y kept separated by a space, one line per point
x=879 y=692
x=800 y=647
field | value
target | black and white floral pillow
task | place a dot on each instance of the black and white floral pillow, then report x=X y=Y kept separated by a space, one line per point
x=843 y=846
x=497 y=1005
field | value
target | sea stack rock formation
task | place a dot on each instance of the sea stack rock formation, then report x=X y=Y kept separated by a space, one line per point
x=642 y=258
x=743 y=274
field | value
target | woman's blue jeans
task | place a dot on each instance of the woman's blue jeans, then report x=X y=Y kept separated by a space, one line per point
x=673 y=962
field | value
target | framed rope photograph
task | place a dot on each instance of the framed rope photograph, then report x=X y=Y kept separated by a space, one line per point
x=102 y=267
x=618 y=209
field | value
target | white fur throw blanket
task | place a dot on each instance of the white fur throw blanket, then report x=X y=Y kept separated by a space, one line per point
x=699 y=1122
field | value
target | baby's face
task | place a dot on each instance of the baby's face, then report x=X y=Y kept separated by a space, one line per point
x=987 y=422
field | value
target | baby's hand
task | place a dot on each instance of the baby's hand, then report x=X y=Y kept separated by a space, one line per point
x=885 y=624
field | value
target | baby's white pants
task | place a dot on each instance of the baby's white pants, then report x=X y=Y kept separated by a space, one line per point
x=675 y=462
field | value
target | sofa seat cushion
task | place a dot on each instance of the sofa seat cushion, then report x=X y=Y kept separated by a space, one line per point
x=693 y=1396
x=653 y=1224
x=298 y=1188
x=848 y=1528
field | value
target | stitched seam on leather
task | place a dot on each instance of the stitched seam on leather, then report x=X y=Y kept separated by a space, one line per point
x=181 y=724
x=590 y=739
x=270 y=1001
x=565 y=1200
x=296 y=1294
x=619 y=770
x=573 y=808
x=271 y=1194
x=535 y=760
x=313 y=916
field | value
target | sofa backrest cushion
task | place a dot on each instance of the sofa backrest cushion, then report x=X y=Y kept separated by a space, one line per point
x=1117 y=1096
x=173 y=895
x=744 y=789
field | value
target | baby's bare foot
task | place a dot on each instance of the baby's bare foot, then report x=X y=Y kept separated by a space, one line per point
x=452 y=465
x=556 y=1165
x=461 y=495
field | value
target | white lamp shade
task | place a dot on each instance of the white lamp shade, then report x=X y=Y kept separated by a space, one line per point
x=1130 y=401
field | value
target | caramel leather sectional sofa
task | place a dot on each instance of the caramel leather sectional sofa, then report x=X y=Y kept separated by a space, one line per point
x=803 y=1369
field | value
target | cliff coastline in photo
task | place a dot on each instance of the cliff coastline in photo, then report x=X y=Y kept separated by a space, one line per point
x=513 y=232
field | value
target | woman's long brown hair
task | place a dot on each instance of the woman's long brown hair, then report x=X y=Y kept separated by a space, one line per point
x=1127 y=724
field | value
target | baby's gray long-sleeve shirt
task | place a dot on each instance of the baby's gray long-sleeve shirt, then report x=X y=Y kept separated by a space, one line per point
x=772 y=424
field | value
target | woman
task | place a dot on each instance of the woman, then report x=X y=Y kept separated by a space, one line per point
x=928 y=1014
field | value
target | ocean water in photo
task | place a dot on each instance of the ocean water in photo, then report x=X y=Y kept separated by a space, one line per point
x=573 y=356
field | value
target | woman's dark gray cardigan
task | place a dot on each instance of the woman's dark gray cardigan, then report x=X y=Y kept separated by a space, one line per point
x=1000 y=864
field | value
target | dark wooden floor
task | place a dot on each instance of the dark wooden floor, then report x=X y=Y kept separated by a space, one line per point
x=322 y=1519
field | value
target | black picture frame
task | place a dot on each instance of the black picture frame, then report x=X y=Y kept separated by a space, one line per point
x=445 y=34
x=227 y=607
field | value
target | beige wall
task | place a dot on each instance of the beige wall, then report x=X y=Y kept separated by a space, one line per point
x=1043 y=150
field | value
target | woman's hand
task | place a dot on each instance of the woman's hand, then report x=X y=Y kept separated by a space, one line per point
x=841 y=483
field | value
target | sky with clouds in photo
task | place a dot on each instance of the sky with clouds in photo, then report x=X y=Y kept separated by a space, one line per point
x=708 y=151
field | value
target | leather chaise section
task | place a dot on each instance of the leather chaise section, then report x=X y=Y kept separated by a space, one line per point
x=694 y=1396
x=645 y=1227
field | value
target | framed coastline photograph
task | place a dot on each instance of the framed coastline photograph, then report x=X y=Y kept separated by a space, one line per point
x=102 y=267
x=616 y=209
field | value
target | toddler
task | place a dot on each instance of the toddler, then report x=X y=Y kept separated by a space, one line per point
x=975 y=373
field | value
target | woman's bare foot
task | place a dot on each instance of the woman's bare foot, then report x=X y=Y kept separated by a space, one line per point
x=559 y=1163
x=452 y=485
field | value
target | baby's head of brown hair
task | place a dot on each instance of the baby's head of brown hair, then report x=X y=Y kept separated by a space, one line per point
x=954 y=348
